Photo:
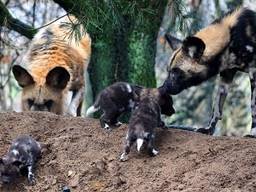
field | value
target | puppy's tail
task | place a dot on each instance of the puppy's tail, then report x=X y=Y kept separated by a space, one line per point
x=91 y=110
x=95 y=107
x=139 y=143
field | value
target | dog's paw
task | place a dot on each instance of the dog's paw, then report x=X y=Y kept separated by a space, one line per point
x=118 y=124
x=31 y=179
x=206 y=131
x=250 y=136
x=153 y=152
x=123 y=157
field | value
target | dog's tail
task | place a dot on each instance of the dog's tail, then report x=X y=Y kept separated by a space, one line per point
x=139 y=143
x=95 y=107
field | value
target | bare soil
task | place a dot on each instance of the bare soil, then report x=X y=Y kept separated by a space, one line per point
x=85 y=157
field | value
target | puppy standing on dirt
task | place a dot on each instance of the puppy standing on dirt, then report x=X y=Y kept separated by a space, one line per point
x=145 y=118
x=54 y=67
x=113 y=101
x=21 y=158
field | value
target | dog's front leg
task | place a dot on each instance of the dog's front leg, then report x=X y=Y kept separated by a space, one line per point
x=128 y=144
x=76 y=102
x=151 y=146
x=217 y=109
x=31 y=176
x=253 y=102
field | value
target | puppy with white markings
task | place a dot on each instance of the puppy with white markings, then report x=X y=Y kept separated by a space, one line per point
x=21 y=158
x=145 y=118
x=114 y=100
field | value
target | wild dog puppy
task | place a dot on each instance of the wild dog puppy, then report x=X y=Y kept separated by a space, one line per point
x=21 y=158
x=52 y=68
x=114 y=100
x=145 y=118
x=226 y=46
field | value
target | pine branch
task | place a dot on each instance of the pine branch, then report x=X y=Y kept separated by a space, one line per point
x=7 y=20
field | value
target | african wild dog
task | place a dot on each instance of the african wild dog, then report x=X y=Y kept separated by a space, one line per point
x=145 y=118
x=114 y=100
x=21 y=158
x=226 y=46
x=54 y=67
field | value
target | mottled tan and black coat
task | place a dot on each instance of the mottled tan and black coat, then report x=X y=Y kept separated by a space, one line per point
x=51 y=73
x=226 y=46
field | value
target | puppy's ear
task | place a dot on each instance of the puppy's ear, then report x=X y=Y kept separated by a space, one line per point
x=193 y=47
x=1 y=161
x=17 y=163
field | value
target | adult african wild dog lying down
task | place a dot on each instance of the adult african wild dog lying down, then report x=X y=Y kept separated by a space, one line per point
x=53 y=69
x=121 y=97
x=21 y=158
x=145 y=118
x=226 y=46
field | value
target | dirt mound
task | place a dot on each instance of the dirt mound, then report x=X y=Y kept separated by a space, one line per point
x=85 y=157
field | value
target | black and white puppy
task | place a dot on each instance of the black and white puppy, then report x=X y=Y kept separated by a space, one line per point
x=114 y=100
x=20 y=159
x=145 y=118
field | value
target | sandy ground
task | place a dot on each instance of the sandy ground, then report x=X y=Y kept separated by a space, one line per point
x=85 y=157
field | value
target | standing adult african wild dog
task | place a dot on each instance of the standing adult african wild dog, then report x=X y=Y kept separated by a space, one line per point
x=52 y=68
x=226 y=46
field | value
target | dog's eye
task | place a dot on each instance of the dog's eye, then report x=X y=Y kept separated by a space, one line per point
x=48 y=103
x=30 y=102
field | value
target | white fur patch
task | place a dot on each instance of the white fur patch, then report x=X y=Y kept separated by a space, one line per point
x=249 y=48
x=139 y=144
x=155 y=152
x=118 y=123
x=72 y=110
x=123 y=157
x=91 y=110
x=15 y=152
x=129 y=88
x=106 y=126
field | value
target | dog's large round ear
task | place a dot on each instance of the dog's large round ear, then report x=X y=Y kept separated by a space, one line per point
x=193 y=47
x=58 y=78
x=22 y=76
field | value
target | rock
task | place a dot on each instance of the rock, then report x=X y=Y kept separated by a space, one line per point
x=54 y=181
x=74 y=181
x=70 y=173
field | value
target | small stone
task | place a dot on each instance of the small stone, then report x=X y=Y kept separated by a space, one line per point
x=74 y=181
x=70 y=173
x=54 y=181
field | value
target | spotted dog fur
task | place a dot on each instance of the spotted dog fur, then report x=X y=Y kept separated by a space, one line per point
x=21 y=158
x=145 y=118
x=114 y=100
x=226 y=46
